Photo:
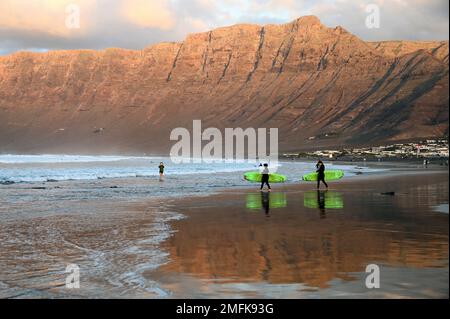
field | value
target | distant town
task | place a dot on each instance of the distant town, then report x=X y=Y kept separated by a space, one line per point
x=428 y=149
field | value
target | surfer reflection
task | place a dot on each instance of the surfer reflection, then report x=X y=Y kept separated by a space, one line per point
x=323 y=200
x=321 y=203
x=265 y=202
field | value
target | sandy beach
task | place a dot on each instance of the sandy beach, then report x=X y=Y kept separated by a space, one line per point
x=234 y=242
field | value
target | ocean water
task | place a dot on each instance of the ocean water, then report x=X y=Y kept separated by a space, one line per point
x=45 y=168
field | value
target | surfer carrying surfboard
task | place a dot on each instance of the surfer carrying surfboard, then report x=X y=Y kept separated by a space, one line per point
x=321 y=174
x=265 y=177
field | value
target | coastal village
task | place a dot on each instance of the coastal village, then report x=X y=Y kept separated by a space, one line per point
x=428 y=149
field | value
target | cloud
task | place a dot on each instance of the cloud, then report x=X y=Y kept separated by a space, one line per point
x=135 y=24
x=41 y=16
x=149 y=13
x=399 y=19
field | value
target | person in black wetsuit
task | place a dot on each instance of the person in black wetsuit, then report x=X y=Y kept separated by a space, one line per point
x=161 y=171
x=265 y=177
x=321 y=177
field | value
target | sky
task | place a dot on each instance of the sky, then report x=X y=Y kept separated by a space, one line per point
x=41 y=25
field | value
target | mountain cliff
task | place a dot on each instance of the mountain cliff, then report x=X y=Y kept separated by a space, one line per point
x=321 y=87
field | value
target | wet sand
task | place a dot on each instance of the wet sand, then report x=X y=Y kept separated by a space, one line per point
x=292 y=243
x=298 y=243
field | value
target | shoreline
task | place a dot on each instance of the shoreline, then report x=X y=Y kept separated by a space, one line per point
x=393 y=166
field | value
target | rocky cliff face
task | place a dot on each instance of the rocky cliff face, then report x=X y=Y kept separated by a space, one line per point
x=304 y=78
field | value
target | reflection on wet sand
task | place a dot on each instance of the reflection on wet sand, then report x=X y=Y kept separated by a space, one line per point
x=266 y=201
x=227 y=244
x=323 y=200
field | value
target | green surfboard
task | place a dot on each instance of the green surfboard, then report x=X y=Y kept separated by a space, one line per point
x=328 y=200
x=330 y=175
x=256 y=177
x=276 y=200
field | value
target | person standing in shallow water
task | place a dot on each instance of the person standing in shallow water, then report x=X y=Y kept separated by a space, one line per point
x=321 y=174
x=265 y=177
x=161 y=171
